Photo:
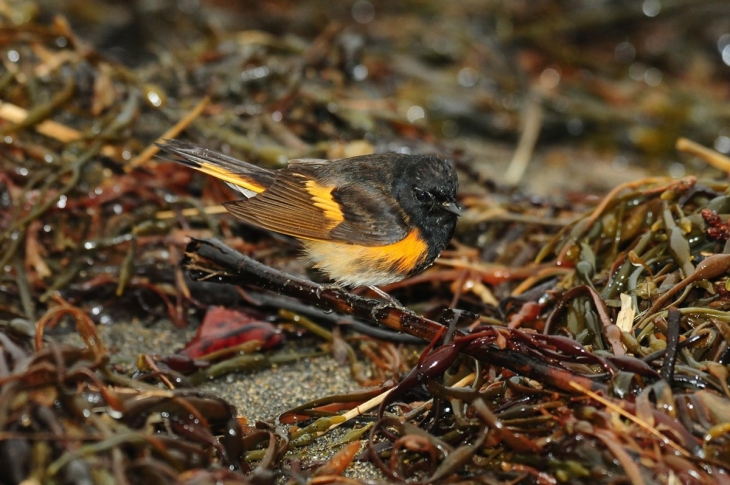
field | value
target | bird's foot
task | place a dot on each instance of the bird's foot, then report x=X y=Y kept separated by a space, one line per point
x=389 y=302
x=327 y=286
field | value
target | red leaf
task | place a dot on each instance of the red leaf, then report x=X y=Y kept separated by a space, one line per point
x=223 y=328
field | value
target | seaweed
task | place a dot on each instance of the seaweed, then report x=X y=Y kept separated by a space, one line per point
x=570 y=337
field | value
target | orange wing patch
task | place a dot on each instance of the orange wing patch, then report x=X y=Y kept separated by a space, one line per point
x=226 y=176
x=322 y=198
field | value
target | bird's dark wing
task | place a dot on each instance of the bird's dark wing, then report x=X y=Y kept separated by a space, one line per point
x=240 y=174
x=302 y=204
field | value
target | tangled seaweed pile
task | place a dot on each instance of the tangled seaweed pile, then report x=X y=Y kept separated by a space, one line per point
x=622 y=355
x=592 y=344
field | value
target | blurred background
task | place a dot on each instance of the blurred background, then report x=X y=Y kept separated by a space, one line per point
x=607 y=85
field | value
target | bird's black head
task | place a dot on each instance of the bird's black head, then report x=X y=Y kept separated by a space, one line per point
x=426 y=187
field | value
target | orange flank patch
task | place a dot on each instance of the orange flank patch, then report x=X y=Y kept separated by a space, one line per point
x=406 y=254
x=322 y=198
x=229 y=177
x=356 y=265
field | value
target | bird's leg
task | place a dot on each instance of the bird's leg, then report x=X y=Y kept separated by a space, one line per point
x=389 y=301
x=383 y=294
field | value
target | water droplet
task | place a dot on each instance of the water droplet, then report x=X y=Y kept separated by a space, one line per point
x=415 y=113
x=677 y=170
x=653 y=76
x=726 y=54
x=620 y=163
x=574 y=126
x=549 y=78
x=637 y=71
x=625 y=52
x=651 y=8
x=188 y=7
x=154 y=99
x=363 y=12
x=450 y=128
x=722 y=144
x=467 y=77
x=359 y=73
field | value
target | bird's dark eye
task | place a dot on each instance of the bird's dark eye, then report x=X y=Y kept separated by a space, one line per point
x=422 y=195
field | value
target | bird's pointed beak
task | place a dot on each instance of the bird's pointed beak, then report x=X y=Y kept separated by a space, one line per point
x=452 y=207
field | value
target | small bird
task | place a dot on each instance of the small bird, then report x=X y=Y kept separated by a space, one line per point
x=369 y=220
